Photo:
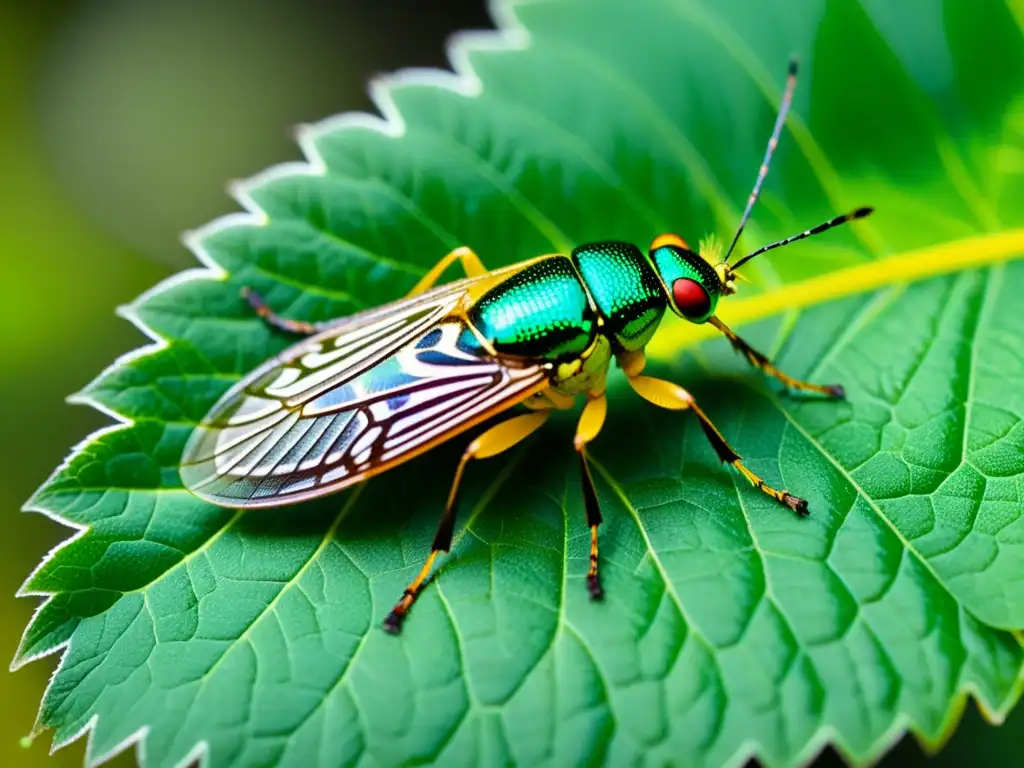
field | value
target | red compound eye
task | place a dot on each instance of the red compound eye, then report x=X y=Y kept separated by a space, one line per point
x=691 y=298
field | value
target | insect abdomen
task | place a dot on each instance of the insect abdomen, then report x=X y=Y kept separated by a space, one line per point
x=625 y=289
x=540 y=312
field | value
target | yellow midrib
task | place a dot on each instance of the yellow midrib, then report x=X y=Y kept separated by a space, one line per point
x=900 y=268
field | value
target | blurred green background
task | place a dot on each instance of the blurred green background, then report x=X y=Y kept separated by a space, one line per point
x=120 y=123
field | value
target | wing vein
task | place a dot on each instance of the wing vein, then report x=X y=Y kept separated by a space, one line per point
x=352 y=401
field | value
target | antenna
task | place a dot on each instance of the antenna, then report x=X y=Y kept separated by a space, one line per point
x=860 y=213
x=787 y=99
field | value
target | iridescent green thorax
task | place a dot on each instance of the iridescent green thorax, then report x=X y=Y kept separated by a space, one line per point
x=540 y=312
x=673 y=264
x=625 y=290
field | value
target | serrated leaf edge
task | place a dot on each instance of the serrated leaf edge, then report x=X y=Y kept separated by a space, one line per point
x=509 y=35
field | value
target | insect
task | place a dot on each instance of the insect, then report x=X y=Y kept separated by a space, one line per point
x=367 y=392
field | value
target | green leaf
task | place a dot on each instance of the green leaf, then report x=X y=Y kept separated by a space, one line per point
x=730 y=627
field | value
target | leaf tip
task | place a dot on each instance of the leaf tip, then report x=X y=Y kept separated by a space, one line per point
x=239 y=190
x=29 y=739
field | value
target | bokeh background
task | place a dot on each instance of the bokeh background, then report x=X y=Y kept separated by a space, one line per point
x=121 y=121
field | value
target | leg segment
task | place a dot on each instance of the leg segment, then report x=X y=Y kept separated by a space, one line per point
x=274 y=320
x=470 y=263
x=549 y=399
x=590 y=423
x=497 y=439
x=665 y=394
x=764 y=365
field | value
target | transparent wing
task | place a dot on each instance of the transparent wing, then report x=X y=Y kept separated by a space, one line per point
x=351 y=402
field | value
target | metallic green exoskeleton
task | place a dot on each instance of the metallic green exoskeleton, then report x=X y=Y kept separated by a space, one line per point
x=605 y=299
x=368 y=392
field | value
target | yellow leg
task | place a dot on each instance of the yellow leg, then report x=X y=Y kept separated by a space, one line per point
x=632 y=363
x=590 y=423
x=665 y=394
x=470 y=263
x=497 y=439
x=548 y=399
x=764 y=365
